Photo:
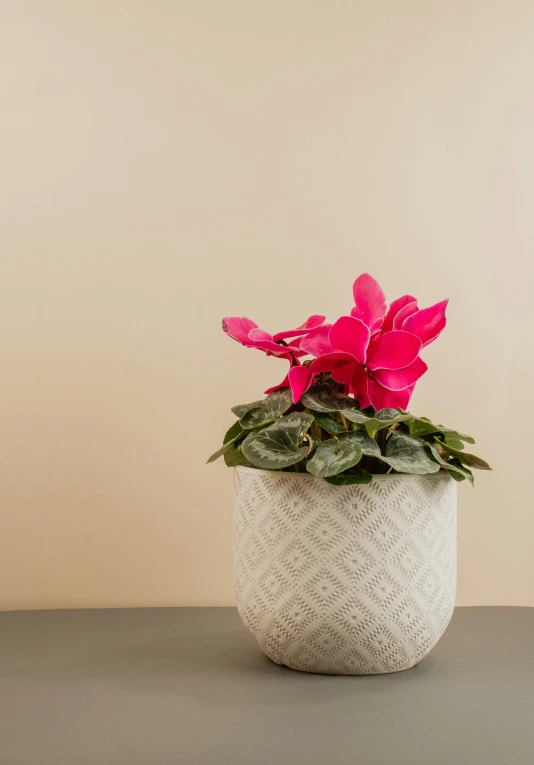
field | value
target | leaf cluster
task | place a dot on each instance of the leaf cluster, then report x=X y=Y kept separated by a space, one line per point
x=329 y=436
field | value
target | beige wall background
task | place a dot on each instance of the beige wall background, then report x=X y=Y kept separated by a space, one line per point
x=167 y=163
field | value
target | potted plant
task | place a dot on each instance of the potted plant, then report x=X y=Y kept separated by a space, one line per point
x=345 y=503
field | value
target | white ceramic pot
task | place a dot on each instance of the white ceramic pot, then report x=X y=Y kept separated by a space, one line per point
x=345 y=580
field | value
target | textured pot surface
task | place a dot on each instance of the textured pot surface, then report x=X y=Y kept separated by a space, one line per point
x=351 y=580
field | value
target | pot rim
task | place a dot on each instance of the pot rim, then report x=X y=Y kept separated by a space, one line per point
x=381 y=476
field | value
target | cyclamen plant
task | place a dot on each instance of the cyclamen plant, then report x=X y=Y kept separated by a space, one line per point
x=340 y=413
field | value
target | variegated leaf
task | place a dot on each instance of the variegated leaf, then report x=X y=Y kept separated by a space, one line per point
x=278 y=402
x=240 y=409
x=407 y=454
x=326 y=422
x=354 y=415
x=280 y=444
x=255 y=418
x=333 y=456
x=354 y=475
x=369 y=446
x=323 y=399
x=374 y=424
x=388 y=415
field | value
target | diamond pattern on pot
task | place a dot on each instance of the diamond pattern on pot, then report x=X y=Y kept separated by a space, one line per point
x=344 y=579
x=297 y=614
x=298 y=557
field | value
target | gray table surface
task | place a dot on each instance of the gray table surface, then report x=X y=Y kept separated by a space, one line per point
x=181 y=685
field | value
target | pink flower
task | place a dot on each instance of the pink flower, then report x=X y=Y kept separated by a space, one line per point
x=299 y=379
x=370 y=308
x=311 y=323
x=374 y=351
x=369 y=302
x=380 y=370
x=425 y=323
x=247 y=332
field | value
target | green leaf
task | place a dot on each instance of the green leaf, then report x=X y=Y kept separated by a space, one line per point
x=234 y=456
x=354 y=415
x=255 y=418
x=467 y=459
x=456 y=434
x=224 y=448
x=407 y=454
x=267 y=411
x=458 y=464
x=454 y=442
x=324 y=399
x=231 y=436
x=242 y=409
x=419 y=426
x=278 y=402
x=384 y=419
x=369 y=446
x=387 y=415
x=459 y=474
x=354 y=475
x=333 y=456
x=280 y=444
x=233 y=432
x=326 y=422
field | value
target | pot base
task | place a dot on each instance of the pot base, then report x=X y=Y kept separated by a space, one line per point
x=347 y=674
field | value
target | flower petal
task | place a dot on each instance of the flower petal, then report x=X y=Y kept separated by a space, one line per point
x=256 y=334
x=351 y=336
x=344 y=372
x=427 y=323
x=238 y=328
x=300 y=379
x=316 y=342
x=312 y=322
x=394 y=308
x=399 y=379
x=382 y=398
x=358 y=386
x=262 y=340
x=341 y=365
x=403 y=314
x=395 y=350
x=330 y=361
x=369 y=299
x=373 y=343
x=272 y=349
